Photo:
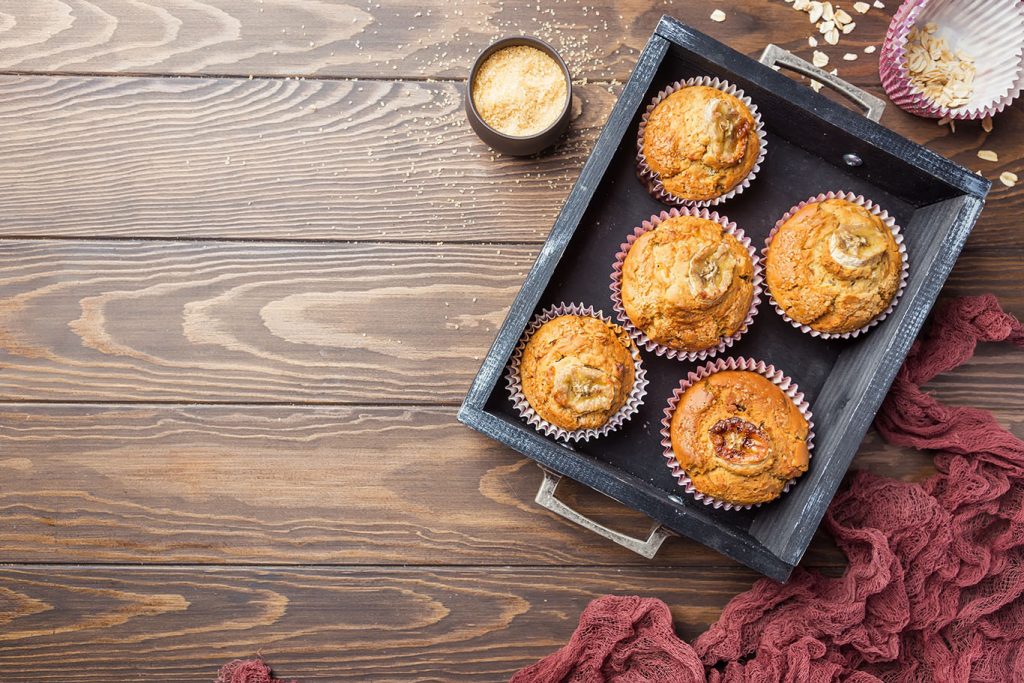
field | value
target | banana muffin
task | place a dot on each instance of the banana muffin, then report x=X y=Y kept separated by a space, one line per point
x=833 y=266
x=578 y=371
x=701 y=142
x=739 y=438
x=688 y=283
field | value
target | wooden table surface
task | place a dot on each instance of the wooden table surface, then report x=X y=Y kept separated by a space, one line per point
x=250 y=257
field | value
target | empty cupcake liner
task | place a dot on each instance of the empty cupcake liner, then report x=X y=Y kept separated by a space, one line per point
x=526 y=411
x=886 y=218
x=779 y=379
x=616 y=286
x=651 y=179
x=991 y=31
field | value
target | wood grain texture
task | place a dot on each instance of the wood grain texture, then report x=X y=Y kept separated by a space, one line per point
x=325 y=160
x=249 y=322
x=269 y=159
x=301 y=485
x=431 y=39
x=206 y=165
x=431 y=624
x=265 y=323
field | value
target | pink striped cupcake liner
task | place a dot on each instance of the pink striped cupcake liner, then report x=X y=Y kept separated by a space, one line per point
x=652 y=181
x=886 y=218
x=991 y=31
x=522 y=406
x=637 y=334
x=783 y=382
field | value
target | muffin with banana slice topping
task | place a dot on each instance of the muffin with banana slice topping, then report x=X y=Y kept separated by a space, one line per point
x=700 y=142
x=688 y=283
x=738 y=437
x=833 y=266
x=578 y=371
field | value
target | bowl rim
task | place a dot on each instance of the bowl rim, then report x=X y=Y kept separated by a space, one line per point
x=509 y=41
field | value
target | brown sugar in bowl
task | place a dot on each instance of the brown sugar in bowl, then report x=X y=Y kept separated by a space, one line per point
x=505 y=142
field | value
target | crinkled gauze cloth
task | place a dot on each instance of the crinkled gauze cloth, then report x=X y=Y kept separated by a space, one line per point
x=936 y=569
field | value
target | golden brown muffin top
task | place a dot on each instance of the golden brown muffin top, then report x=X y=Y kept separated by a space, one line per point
x=578 y=371
x=833 y=266
x=688 y=283
x=701 y=142
x=738 y=437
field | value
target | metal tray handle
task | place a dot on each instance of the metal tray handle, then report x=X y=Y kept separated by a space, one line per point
x=645 y=547
x=774 y=55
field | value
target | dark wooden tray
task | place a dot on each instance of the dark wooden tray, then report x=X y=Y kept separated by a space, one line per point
x=810 y=138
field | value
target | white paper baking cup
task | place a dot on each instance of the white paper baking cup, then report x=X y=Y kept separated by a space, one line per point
x=651 y=179
x=636 y=333
x=780 y=380
x=876 y=210
x=526 y=411
x=991 y=31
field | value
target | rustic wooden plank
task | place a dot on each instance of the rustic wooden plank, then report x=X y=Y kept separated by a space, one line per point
x=238 y=322
x=269 y=159
x=431 y=39
x=303 y=485
x=394 y=624
x=174 y=321
x=324 y=160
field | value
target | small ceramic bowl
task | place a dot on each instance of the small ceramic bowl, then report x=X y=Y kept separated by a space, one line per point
x=519 y=145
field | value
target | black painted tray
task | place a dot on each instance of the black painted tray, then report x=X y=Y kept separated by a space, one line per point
x=814 y=145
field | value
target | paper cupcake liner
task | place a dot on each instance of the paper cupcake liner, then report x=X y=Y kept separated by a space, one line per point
x=780 y=380
x=526 y=411
x=637 y=334
x=991 y=31
x=651 y=179
x=886 y=218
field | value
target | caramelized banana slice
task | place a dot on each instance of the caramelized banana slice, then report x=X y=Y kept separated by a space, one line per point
x=727 y=133
x=582 y=388
x=856 y=245
x=711 y=270
x=739 y=442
